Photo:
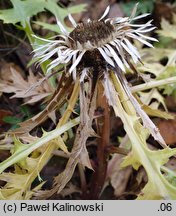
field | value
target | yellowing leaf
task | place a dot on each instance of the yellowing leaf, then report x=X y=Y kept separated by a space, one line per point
x=28 y=148
x=79 y=153
x=41 y=149
x=154 y=68
x=10 y=194
x=157 y=113
x=152 y=161
x=21 y=182
x=60 y=143
x=167 y=29
x=147 y=97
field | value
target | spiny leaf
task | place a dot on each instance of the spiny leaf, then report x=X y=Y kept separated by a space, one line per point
x=23 y=10
x=27 y=172
x=79 y=152
x=168 y=54
x=10 y=194
x=29 y=168
x=169 y=72
x=60 y=143
x=25 y=150
x=162 y=72
x=157 y=187
x=30 y=193
x=18 y=186
x=157 y=113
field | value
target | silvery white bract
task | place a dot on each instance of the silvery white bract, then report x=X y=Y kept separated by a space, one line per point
x=114 y=44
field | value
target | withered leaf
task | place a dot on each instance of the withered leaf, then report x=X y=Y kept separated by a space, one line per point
x=15 y=83
x=56 y=101
x=79 y=152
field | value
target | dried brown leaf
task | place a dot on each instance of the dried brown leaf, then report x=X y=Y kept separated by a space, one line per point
x=16 y=84
x=57 y=100
x=79 y=152
x=69 y=190
x=118 y=177
x=167 y=129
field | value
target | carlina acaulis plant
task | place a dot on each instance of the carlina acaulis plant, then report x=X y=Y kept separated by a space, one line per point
x=97 y=54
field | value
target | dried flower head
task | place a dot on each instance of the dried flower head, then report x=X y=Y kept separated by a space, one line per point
x=96 y=45
x=97 y=53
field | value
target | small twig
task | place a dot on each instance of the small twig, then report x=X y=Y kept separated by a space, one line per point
x=22 y=41
x=38 y=83
x=117 y=150
x=153 y=84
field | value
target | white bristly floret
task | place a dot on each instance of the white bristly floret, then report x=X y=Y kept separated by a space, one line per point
x=113 y=49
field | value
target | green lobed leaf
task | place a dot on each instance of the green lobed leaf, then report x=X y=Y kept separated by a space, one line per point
x=22 y=11
x=51 y=27
x=61 y=13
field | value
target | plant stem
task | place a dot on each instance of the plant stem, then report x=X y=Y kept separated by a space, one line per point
x=82 y=178
x=117 y=150
x=153 y=84
x=29 y=33
x=103 y=126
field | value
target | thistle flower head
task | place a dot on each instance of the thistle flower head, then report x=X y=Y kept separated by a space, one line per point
x=96 y=45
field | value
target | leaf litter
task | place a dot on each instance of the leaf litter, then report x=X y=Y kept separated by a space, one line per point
x=16 y=84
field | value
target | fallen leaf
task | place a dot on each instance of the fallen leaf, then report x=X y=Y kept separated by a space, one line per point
x=69 y=190
x=118 y=177
x=56 y=101
x=170 y=103
x=167 y=129
x=15 y=83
